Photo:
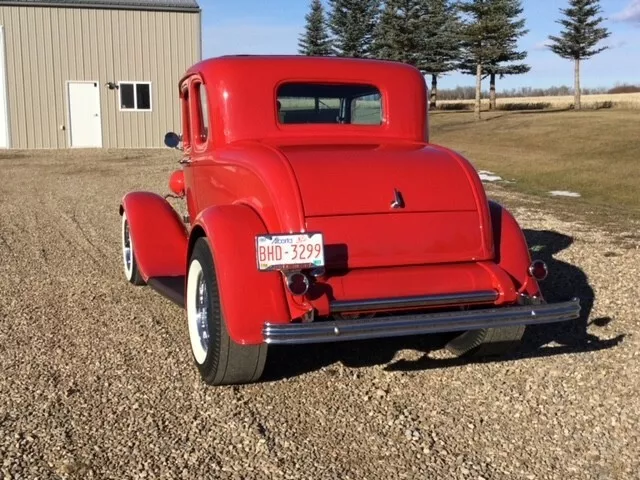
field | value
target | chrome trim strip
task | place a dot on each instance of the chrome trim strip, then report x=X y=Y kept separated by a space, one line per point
x=486 y=296
x=395 y=326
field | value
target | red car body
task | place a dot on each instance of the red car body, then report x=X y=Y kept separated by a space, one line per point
x=411 y=243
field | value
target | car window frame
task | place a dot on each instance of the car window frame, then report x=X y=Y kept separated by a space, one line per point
x=200 y=140
x=345 y=105
x=185 y=112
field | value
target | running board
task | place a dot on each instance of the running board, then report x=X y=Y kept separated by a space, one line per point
x=171 y=288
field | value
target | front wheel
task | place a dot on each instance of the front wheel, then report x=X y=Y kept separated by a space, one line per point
x=219 y=359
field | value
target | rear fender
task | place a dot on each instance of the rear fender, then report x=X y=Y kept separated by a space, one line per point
x=248 y=297
x=158 y=234
x=511 y=250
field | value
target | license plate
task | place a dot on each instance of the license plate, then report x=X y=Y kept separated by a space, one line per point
x=289 y=252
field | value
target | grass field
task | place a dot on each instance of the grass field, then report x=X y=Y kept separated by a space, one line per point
x=624 y=100
x=595 y=153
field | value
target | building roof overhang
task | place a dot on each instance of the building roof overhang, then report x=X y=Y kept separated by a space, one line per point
x=190 y=6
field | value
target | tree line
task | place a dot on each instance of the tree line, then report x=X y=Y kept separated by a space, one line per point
x=469 y=93
x=474 y=37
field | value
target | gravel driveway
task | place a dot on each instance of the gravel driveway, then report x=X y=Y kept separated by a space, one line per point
x=97 y=381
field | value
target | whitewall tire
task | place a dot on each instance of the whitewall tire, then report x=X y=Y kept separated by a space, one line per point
x=218 y=358
x=197 y=312
x=130 y=264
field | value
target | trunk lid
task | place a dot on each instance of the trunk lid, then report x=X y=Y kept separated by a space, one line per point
x=347 y=193
x=360 y=179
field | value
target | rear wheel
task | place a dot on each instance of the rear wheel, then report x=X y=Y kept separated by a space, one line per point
x=131 y=271
x=486 y=342
x=218 y=358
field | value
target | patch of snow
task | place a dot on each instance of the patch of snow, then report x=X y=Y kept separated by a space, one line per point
x=487 y=176
x=563 y=193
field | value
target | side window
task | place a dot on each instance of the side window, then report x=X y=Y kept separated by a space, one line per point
x=186 y=119
x=200 y=113
x=366 y=110
x=204 y=111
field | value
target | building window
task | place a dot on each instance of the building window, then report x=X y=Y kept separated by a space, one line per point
x=135 y=96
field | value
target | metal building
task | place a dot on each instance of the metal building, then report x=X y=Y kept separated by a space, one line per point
x=93 y=73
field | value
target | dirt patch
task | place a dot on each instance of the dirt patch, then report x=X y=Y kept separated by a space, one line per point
x=98 y=382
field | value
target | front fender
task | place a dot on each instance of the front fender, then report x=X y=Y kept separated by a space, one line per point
x=511 y=250
x=248 y=297
x=158 y=234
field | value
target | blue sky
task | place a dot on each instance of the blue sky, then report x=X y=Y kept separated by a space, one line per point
x=273 y=27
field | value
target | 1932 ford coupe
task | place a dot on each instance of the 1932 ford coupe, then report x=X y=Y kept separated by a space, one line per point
x=318 y=211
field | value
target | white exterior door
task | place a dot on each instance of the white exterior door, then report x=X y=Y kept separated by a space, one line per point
x=4 y=102
x=85 y=123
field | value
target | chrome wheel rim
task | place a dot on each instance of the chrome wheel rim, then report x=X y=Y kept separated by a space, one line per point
x=202 y=312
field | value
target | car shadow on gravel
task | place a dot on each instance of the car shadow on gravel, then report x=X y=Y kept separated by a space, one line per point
x=564 y=282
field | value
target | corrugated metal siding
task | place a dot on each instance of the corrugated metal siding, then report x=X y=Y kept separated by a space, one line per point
x=47 y=47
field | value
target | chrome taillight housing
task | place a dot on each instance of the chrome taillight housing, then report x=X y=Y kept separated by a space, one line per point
x=538 y=270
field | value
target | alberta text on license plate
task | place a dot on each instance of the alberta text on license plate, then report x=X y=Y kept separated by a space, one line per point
x=289 y=252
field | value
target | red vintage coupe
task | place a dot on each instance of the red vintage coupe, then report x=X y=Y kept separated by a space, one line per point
x=318 y=211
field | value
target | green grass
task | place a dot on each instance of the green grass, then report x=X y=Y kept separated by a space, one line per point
x=595 y=153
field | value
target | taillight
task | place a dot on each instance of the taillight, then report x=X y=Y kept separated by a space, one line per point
x=538 y=270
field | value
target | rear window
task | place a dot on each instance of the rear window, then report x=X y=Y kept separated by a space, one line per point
x=329 y=103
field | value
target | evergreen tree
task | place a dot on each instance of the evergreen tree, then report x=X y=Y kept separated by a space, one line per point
x=315 y=40
x=580 y=37
x=352 y=24
x=479 y=40
x=422 y=33
x=501 y=28
x=399 y=33
x=511 y=29
x=440 y=41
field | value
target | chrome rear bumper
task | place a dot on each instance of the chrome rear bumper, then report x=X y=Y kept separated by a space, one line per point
x=411 y=324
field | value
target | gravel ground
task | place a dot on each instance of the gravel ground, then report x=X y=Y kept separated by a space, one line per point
x=97 y=381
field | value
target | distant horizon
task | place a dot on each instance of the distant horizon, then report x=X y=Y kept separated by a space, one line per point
x=254 y=27
x=548 y=87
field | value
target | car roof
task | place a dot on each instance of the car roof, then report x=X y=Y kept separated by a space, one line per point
x=242 y=91
x=313 y=64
